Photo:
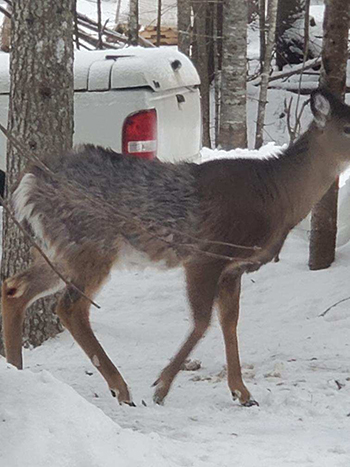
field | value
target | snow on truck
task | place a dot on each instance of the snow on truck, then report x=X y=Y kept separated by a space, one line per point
x=142 y=102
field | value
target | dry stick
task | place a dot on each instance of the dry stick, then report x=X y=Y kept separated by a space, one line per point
x=5 y=12
x=95 y=201
x=335 y=304
x=37 y=247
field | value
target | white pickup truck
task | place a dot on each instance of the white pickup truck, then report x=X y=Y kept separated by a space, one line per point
x=143 y=102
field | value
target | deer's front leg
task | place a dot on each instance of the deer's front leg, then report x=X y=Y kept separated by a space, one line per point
x=73 y=310
x=228 y=301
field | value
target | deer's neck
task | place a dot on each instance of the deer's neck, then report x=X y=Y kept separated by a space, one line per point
x=306 y=172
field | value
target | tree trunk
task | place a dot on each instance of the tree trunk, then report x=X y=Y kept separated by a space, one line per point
x=184 y=26
x=200 y=59
x=40 y=118
x=233 y=124
x=270 y=42
x=336 y=25
x=134 y=22
x=5 y=39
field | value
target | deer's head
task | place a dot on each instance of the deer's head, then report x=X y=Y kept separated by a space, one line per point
x=332 y=121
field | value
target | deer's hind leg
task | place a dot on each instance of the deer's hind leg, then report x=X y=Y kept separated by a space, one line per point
x=202 y=282
x=228 y=302
x=73 y=310
x=18 y=292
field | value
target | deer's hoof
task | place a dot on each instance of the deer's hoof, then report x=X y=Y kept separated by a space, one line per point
x=123 y=399
x=250 y=403
x=244 y=401
x=160 y=393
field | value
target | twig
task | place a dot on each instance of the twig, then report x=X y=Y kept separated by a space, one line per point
x=335 y=304
x=5 y=12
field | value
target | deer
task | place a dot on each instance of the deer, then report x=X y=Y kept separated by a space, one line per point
x=92 y=208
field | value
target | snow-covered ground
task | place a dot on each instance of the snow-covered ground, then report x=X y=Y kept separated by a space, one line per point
x=59 y=412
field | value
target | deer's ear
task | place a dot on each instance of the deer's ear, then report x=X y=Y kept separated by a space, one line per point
x=321 y=108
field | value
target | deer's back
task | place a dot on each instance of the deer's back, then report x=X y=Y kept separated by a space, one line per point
x=96 y=198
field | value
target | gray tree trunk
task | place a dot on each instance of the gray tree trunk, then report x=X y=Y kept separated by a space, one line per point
x=184 y=26
x=40 y=118
x=134 y=22
x=201 y=61
x=336 y=25
x=233 y=124
x=268 y=49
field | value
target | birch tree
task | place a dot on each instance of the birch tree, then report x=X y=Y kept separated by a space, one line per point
x=233 y=125
x=134 y=22
x=268 y=48
x=200 y=59
x=336 y=25
x=40 y=118
x=184 y=26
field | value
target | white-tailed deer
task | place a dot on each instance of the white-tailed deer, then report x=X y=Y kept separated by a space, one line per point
x=96 y=206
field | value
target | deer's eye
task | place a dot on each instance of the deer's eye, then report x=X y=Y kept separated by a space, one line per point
x=346 y=130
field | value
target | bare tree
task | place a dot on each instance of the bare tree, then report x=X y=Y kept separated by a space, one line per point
x=336 y=25
x=184 y=25
x=200 y=59
x=134 y=22
x=233 y=124
x=269 y=45
x=40 y=118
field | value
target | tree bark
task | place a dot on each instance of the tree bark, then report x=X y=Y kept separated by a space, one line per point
x=200 y=59
x=184 y=26
x=233 y=124
x=336 y=25
x=134 y=22
x=270 y=42
x=40 y=118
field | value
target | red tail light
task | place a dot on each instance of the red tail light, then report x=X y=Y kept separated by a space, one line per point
x=140 y=134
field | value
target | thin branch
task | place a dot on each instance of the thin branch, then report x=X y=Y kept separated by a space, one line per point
x=335 y=304
x=5 y=12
